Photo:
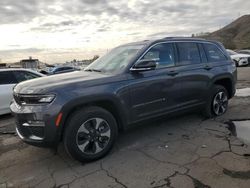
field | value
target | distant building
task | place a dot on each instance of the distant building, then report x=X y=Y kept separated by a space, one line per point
x=3 y=65
x=30 y=63
x=14 y=65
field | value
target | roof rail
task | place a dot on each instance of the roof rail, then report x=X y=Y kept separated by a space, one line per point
x=190 y=38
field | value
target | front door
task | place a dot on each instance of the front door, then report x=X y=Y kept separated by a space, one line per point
x=155 y=92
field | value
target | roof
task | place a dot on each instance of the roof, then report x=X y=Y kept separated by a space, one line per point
x=20 y=69
x=147 y=42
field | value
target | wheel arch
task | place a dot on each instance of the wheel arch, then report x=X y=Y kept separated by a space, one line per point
x=226 y=82
x=108 y=103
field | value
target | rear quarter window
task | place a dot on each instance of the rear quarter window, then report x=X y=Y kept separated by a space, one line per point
x=214 y=54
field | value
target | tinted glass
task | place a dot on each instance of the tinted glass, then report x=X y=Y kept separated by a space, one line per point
x=6 y=77
x=23 y=75
x=163 y=54
x=68 y=68
x=202 y=54
x=65 y=68
x=188 y=53
x=214 y=54
x=58 y=69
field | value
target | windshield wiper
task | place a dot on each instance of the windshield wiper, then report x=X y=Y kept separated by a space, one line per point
x=93 y=70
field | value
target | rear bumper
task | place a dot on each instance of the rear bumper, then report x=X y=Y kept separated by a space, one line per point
x=35 y=125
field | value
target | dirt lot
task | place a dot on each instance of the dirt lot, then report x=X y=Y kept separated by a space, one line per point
x=186 y=151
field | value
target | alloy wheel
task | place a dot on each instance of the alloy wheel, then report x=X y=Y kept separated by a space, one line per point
x=93 y=136
x=220 y=103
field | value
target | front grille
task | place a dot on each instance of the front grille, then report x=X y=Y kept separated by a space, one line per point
x=37 y=131
x=248 y=60
x=28 y=131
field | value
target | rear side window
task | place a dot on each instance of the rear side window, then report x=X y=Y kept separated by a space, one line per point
x=63 y=69
x=23 y=75
x=68 y=68
x=7 y=77
x=214 y=54
x=188 y=53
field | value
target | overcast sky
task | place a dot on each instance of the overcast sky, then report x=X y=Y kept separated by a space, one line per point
x=56 y=31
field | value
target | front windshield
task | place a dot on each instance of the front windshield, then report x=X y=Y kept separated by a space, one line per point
x=231 y=52
x=116 y=60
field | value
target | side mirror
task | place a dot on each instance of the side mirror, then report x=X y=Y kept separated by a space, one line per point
x=144 y=65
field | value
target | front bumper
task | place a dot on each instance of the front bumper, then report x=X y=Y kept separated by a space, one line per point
x=243 y=62
x=35 y=125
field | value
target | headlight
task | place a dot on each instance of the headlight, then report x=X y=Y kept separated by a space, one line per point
x=243 y=59
x=22 y=99
x=46 y=99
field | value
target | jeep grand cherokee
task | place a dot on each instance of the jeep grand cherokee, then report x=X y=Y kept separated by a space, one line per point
x=131 y=83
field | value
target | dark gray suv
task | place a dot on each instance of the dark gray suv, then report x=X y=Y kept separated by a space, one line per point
x=131 y=83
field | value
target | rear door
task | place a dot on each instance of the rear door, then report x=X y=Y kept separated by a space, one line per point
x=194 y=75
x=7 y=82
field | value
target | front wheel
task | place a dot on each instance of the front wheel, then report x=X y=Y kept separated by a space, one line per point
x=218 y=103
x=90 y=134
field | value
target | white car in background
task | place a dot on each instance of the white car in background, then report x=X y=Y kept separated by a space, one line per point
x=244 y=52
x=239 y=59
x=8 y=79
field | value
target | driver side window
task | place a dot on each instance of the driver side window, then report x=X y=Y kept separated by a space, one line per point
x=163 y=54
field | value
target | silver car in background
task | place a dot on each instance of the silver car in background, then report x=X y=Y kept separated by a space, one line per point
x=8 y=79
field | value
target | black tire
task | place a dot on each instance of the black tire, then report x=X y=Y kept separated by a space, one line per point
x=86 y=118
x=209 y=110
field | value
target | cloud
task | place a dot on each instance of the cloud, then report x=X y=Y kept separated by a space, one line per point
x=12 y=11
x=103 y=24
x=26 y=50
x=56 y=26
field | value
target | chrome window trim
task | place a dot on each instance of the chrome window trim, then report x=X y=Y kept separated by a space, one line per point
x=166 y=42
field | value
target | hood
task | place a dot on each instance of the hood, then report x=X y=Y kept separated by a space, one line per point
x=50 y=83
x=240 y=56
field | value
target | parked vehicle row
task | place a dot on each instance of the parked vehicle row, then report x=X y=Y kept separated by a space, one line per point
x=239 y=58
x=132 y=83
x=243 y=51
x=59 y=70
x=9 y=77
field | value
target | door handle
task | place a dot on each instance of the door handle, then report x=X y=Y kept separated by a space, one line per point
x=207 y=67
x=172 y=73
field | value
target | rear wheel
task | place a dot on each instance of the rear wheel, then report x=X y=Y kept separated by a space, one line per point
x=218 y=103
x=90 y=134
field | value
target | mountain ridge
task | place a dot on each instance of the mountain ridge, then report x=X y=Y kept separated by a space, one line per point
x=235 y=35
